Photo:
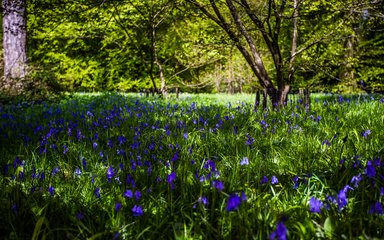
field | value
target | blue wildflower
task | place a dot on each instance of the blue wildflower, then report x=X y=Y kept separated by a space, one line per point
x=137 y=211
x=218 y=185
x=65 y=149
x=203 y=200
x=264 y=180
x=175 y=157
x=341 y=200
x=128 y=193
x=250 y=140
x=55 y=171
x=274 y=180
x=51 y=190
x=96 y=192
x=110 y=173
x=121 y=140
x=280 y=233
x=376 y=208
x=243 y=197
x=244 y=161
x=366 y=133
x=356 y=179
x=171 y=178
x=84 y=163
x=116 y=236
x=80 y=215
x=315 y=205
x=137 y=195
x=233 y=202
x=370 y=170
x=118 y=206
x=296 y=182
x=326 y=142
x=78 y=172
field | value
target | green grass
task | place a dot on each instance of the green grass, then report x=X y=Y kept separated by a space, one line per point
x=121 y=144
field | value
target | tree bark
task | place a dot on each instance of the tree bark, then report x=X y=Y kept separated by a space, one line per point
x=14 y=46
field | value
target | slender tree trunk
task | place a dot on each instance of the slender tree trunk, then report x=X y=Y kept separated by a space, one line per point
x=347 y=73
x=153 y=53
x=163 y=87
x=14 y=46
x=284 y=91
x=230 y=72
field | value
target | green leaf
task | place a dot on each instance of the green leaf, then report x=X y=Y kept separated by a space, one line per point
x=329 y=226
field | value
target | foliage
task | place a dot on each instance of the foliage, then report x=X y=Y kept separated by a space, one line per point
x=198 y=167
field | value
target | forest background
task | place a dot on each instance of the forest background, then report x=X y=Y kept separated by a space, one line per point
x=135 y=45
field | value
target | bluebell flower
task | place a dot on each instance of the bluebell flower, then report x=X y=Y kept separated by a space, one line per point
x=110 y=173
x=128 y=193
x=342 y=199
x=137 y=211
x=121 y=140
x=96 y=192
x=203 y=200
x=78 y=172
x=244 y=161
x=264 y=180
x=243 y=197
x=65 y=149
x=326 y=142
x=280 y=233
x=18 y=163
x=250 y=140
x=370 y=170
x=84 y=163
x=175 y=157
x=263 y=124
x=118 y=206
x=116 y=236
x=94 y=145
x=51 y=190
x=41 y=176
x=356 y=179
x=110 y=143
x=315 y=205
x=366 y=133
x=235 y=130
x=171 y=178
x=137 y=195
x=79 y=135
x=218 y=185
x=55 y=171
x=347 y=188
x=80 y=215
x=376 y=208
x=381 y=191
x=233 y=202
x=274 y=180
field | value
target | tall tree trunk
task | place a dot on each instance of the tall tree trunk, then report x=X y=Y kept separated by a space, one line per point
x=230 y=72
x=14 y=46
x=295 y=35
x=347 y=72
x=153 y=52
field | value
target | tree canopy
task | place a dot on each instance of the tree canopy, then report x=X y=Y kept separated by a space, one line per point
x=206 y=45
